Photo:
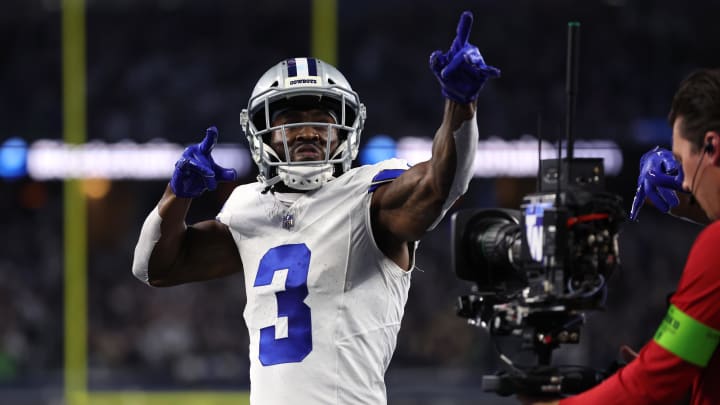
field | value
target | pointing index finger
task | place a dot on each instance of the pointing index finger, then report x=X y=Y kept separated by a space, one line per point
x=463 y=29
x=208 y=143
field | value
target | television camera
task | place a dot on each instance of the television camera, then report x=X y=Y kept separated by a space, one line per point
x=537 y=270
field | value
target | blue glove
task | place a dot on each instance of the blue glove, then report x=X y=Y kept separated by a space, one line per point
x=196 y=171
x=660 y=177
x=462 y=72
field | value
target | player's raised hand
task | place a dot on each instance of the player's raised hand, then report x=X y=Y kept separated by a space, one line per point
x=196 y=171
x=461 y=70
x=660 y=177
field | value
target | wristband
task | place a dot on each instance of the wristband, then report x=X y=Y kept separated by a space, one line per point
x=149 y=236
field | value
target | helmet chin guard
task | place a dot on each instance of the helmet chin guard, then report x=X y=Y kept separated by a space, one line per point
x=305 y=177
x=304 y=84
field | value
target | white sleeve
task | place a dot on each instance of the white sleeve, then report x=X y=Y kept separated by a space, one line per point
x=149 y=236
x=466 y=142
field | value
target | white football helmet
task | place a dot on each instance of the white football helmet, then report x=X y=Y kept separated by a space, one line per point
x=304 y=83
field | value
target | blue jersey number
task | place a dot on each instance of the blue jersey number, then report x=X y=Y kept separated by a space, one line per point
x=298 y=343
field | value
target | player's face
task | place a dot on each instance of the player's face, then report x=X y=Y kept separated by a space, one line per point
x=307 y=142
x=694 y=167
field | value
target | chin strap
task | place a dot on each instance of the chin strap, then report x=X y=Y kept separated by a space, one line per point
x=466 y=142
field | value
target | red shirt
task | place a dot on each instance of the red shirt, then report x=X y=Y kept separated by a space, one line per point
x=657 y=376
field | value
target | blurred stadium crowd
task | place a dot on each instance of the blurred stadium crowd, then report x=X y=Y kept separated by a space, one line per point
x=169 y=68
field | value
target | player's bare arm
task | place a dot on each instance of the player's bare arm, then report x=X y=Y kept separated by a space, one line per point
x=169 y=251
x=183 y=254
x=408 y=207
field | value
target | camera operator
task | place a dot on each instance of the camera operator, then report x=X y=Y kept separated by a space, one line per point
x=682 y=360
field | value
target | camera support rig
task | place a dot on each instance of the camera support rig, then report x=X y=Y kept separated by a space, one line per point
x=535 y=272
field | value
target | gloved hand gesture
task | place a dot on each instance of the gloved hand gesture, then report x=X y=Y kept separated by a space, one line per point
x=660 y=177
x=462 y=72
x=196 y=171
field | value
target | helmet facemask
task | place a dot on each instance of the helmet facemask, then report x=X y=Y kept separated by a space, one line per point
x=278 y=91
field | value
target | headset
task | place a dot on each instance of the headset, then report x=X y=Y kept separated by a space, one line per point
x=709 y=148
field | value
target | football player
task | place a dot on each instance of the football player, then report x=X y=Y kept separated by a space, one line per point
x=327 y=250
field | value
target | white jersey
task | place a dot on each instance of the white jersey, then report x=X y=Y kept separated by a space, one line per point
x=324 y=304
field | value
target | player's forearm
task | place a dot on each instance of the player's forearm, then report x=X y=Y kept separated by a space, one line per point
x=454 y=149
x=160 y=244
x=444 y=161
x=173 y=210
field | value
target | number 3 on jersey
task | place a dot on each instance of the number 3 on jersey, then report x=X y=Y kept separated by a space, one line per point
x=298 y=343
